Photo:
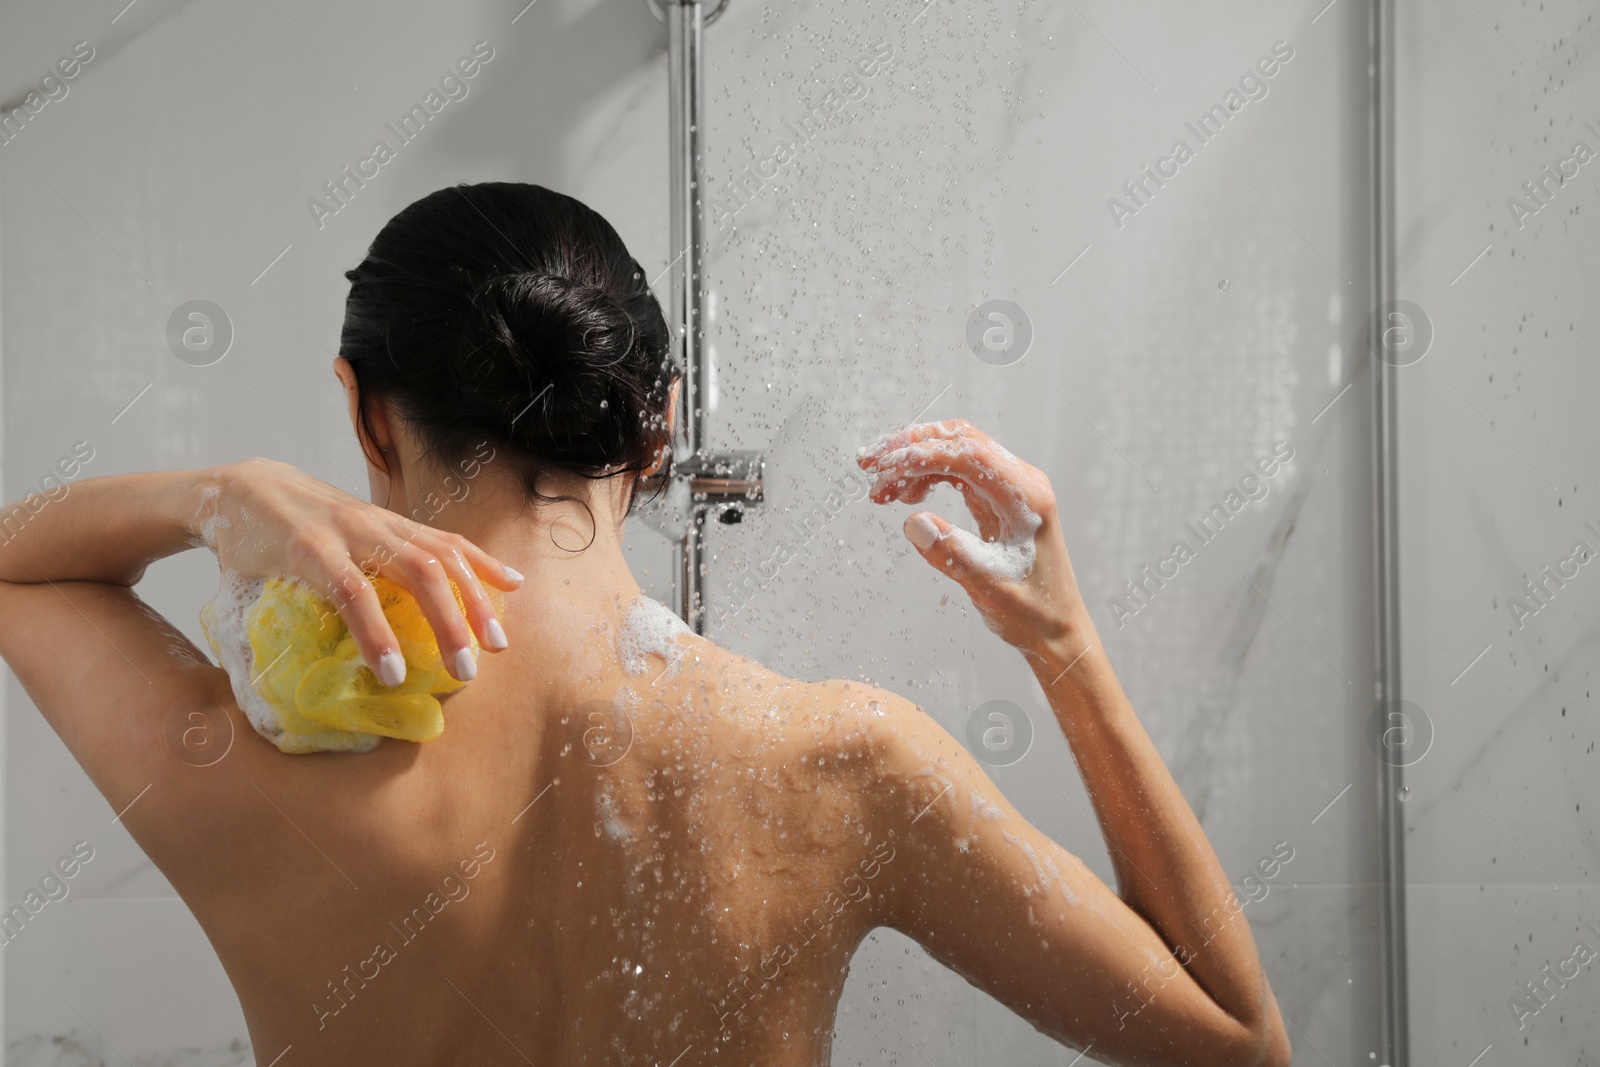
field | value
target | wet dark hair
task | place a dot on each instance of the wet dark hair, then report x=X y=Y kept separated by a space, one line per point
x=512 y=314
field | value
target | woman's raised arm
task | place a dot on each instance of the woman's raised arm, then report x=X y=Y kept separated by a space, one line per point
x=105 y=529
x=1163 y=972
x=264 y=518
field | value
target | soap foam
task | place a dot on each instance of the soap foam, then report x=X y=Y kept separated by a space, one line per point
x=610 y=818
x=207 y=519
x=982 y=806
x=209 y=527
x=224 y=618
x=1033 y=857
x=1010 y=558
x=1046 y=871
x=650 y=628
x=882 y=441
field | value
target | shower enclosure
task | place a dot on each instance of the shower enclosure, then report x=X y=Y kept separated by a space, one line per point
x=1330 y=346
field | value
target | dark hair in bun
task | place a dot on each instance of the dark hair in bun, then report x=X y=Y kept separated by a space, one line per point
x=510 y=313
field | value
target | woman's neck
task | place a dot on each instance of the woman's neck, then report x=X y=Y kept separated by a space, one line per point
x=568 y=549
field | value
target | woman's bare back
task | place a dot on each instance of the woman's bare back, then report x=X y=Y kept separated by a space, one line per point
x=552 y=881
x=626 y=869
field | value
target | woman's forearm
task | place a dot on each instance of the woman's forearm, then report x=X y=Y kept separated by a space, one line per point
x=1166 y=869
x=105 y=529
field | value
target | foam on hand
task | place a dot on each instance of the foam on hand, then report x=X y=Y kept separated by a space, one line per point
x=1007 y=558
x=1010 y=556
x=300 y=679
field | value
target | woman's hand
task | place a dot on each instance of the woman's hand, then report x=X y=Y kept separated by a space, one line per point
x=264 y=518
x=1018 y=574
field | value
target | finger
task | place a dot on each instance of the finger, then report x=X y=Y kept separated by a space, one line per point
x=480 y=609
x=358 y=605
x=906 y=435
x=488 y=568
x=961 y=437
x=938 y=542
x=973 y=562
x=905 y=490
x=973 y=455
x=970 y=463
x=916 y=490
x=485 y=566
x=422 y=573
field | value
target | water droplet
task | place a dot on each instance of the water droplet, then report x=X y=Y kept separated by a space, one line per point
x=1223 y=285
x=1404 y=793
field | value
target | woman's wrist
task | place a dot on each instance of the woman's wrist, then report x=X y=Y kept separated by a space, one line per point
x=1065 y=649
x=193 y=503
x=167 y=521
x=107 y=529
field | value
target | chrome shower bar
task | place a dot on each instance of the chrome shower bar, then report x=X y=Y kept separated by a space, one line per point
x=724 y=483
x=686 y=112
x=1393 y=1007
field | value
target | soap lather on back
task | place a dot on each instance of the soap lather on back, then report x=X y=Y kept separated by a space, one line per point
x=744 y=870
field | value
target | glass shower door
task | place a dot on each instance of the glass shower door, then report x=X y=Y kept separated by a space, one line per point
x=1499 y=135
x=1132 y=247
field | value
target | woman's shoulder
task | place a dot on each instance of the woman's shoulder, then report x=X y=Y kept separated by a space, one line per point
x=838 y=732
x=844 y=728
x=889 y=738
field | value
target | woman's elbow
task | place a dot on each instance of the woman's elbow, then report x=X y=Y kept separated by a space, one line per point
x=1274 y=1043
x=1259 y=1041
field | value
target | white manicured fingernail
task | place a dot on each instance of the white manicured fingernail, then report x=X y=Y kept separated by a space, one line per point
x=466 y=666
x=922 y=531
x=497 y=634
x=392 y=668
x=512 y=573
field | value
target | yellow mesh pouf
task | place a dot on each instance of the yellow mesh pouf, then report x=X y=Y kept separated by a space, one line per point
x=298 y=676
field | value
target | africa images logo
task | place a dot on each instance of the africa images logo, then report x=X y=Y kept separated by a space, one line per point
x=1252 y=85
x=1253 y=487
